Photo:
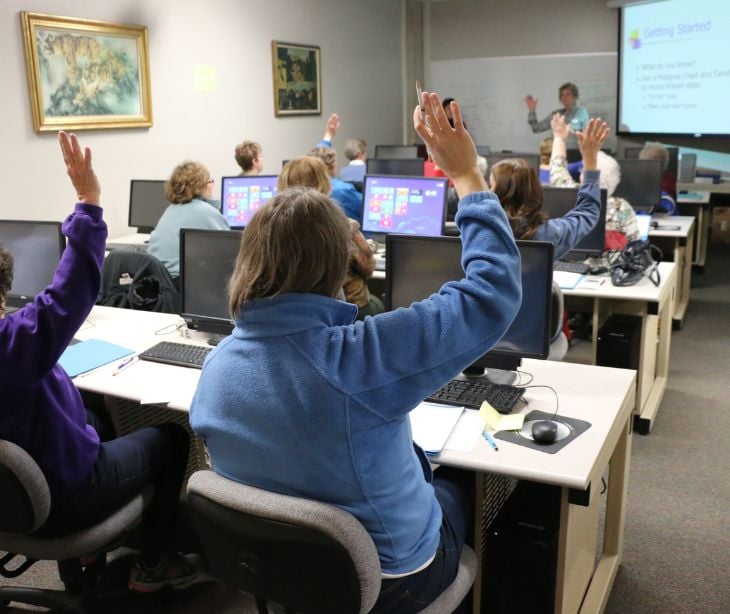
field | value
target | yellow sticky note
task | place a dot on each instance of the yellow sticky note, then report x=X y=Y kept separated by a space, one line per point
x=500 y=422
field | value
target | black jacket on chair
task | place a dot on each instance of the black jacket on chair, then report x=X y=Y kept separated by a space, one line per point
x=137 y=280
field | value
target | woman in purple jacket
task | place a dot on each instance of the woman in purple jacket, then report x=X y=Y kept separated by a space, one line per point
x=42 y=411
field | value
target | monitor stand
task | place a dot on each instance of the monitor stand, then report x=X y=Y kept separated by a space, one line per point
x=503 y=371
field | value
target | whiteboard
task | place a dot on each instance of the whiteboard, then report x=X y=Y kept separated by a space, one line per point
x=491 y=93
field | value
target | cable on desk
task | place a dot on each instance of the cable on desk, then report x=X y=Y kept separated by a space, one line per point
x=557 y=399
x=520 y=383
x=170 y=328
x=88 y=323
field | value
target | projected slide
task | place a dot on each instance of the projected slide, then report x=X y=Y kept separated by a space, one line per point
x=675 y=67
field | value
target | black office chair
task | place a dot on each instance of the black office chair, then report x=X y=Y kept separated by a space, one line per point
x=308 y=556
x=26 y=503
x=137 y=280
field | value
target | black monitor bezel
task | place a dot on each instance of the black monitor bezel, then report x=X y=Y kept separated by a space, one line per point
x=598 y=230
x=380 y=148
x=528 y=157
x=14 y=299
x=642 y=206
x=223 y=192
x=374 y=161
x=195 y=321
x=381 y=234
x=672 y=166
x=495 y=357
x=130 y=222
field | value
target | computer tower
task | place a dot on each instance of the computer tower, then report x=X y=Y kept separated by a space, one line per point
x=619 y=342
x=521 y=552
x=687 y=167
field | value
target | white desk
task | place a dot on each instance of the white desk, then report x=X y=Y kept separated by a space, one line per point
x=695 y=199
x=604 y=397
x=680 y=242
x=655 y=306
x=131 y=239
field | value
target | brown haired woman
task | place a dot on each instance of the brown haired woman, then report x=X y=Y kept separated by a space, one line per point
x=319 y=404
x=517 y=185
x=311 y=172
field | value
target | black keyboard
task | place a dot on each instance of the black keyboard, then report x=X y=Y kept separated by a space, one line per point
x=571 y=267
x=471 y=393
x=179 y=354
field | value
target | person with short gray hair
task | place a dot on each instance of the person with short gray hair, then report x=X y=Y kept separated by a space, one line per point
x=356 y=151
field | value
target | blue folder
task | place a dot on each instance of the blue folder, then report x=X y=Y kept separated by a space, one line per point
x=90 y=354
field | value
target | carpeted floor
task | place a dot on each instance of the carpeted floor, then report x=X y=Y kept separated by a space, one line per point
x=677 y=539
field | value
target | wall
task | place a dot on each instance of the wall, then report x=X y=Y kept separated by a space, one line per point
x=491 y=28
x=234 y=37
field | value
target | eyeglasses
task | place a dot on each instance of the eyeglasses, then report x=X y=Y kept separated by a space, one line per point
x=210 y=181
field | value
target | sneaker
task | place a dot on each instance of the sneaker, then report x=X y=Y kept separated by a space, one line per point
x=172 y=570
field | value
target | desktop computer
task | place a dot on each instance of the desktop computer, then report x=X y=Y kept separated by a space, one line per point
x=619 y=342
x=521 y=552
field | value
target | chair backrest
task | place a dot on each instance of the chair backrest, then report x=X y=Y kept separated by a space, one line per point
x=137 y=280
x=556 y=312
x=303 y=554
x=26 y=500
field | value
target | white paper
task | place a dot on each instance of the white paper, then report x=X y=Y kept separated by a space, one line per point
x=467 y=432
x=566 y=280
x=431 y=425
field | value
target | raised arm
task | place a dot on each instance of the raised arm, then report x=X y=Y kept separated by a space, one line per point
x=452 y=149
x=559 y=175
x=333 y=125
x=590 y=142
x=35 y=337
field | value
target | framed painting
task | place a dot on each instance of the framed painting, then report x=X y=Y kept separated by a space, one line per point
x=85 y=74
x=297 y=79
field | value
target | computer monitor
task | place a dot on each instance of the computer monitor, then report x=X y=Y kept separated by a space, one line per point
x=36 y=248
x=207 y=258
x=396 y=151
x=147 y=203
x=483 y=150
x=641 y=183
x=404 y=205
x=574 y=155
x=395 y=166
x=532 y=159
x=632 y=153
x=241 y=197
x=417 y=267
x=556 y=202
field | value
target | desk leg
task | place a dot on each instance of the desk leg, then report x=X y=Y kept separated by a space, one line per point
x=604 y=575
x=683 y=258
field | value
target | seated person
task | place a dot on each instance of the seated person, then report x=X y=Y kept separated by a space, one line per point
x=41 y=410
x=343 y=192
x=514 y=182
x=190 y=192
x=546 y=148
x=250 y=158
x=319 y=406
x=356 y=152
x=621 y=224
x=657 y=151
x=310 y=172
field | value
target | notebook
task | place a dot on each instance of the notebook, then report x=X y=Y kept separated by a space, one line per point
x=432 y=424
x=90 y=354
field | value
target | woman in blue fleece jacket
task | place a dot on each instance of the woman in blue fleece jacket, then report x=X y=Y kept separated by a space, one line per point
x=302 y=400
x=42 y=411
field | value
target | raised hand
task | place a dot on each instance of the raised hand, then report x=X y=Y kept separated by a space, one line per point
x=333 y=125
x=560 y=128
x=590 y=141
x=452 y=149
x=530 y=102
x=79 y=169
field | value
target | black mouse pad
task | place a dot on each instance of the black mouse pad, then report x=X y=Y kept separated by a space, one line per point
x=570 y=428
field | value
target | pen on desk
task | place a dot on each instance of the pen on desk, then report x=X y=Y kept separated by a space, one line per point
x=125 y=363
x=490 y=440
x=419 y=93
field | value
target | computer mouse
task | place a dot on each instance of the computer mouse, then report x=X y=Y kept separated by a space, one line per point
x=653 y=224
x=544 y=431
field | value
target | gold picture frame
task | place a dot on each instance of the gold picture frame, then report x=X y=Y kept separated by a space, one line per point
x=297 y=79
x=85 y=74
